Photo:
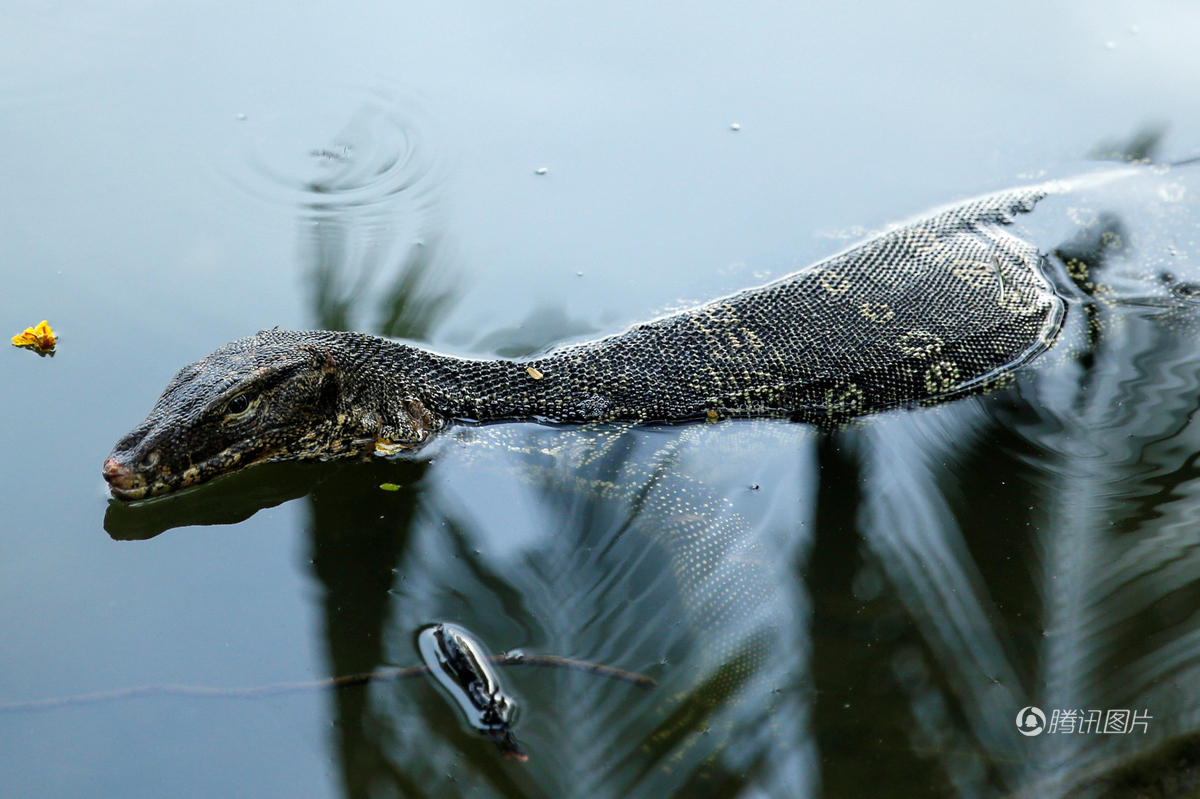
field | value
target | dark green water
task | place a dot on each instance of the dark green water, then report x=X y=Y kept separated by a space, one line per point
x=180 y=175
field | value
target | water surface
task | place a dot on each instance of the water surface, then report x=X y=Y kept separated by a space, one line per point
x=181 y=175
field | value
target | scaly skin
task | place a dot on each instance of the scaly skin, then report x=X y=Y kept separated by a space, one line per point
x=936 y=308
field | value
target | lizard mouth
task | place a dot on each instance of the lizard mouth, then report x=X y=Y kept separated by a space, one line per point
x=122 y=481
x=125 y=485
x=129 y=494
x=128 y=484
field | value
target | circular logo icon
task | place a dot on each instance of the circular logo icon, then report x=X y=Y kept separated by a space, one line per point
x=1031 y=721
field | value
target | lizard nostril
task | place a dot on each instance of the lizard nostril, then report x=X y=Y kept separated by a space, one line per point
x=117 y=473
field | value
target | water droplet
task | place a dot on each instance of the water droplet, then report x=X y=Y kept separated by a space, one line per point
x=240 y=117
x=736 y=126
x=541 y=170
x=1110 y=45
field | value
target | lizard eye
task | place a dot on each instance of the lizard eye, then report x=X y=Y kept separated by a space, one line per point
x=238 y=405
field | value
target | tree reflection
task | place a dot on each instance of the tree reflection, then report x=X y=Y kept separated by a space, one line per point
x=853 y=612
x=1037 y=542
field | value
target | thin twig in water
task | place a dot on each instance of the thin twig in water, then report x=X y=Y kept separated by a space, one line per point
x=341 y=681
x=640 y=680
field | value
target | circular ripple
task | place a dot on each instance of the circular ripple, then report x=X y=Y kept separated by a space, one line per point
x=341 y=151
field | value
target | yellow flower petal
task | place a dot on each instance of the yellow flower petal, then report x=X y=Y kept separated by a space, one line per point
x=39 y=337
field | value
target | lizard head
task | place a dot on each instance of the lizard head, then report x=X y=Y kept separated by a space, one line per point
x=271 y=396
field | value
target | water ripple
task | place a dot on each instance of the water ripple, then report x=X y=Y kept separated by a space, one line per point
x=350 y=149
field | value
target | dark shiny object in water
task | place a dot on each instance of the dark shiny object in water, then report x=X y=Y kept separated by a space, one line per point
x=458 y=663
